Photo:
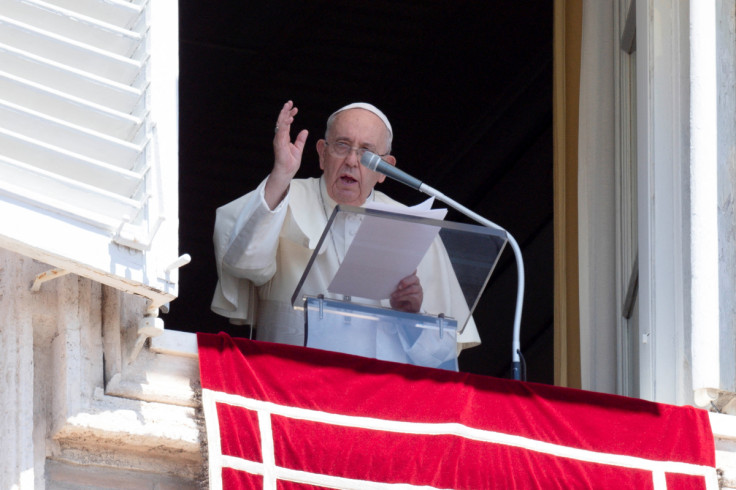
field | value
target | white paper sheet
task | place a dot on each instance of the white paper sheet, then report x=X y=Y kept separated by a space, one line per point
x=385 y=251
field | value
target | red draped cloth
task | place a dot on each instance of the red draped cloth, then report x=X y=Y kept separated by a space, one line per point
x=286 y=417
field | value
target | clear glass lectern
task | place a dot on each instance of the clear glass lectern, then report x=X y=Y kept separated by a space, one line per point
x=345 y=288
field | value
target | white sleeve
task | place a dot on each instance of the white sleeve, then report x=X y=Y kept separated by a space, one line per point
x=247 y=234
x=245 y=238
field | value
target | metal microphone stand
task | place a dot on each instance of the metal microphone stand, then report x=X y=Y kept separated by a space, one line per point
x=516 y=343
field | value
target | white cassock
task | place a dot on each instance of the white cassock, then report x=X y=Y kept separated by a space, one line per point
x=261 y=255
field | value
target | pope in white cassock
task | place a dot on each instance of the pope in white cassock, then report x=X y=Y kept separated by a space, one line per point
x=264 y=240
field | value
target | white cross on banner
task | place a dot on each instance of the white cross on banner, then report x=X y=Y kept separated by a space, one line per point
x=293 y=418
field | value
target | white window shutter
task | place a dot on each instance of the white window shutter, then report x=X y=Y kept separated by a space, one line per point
x=88 y=138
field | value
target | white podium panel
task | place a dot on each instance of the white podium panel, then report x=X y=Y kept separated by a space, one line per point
x=454 y=262
x=381 y=333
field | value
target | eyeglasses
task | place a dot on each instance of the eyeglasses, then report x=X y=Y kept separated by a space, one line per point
x=341 y=149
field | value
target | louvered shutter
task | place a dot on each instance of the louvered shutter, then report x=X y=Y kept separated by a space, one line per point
x=88 y=138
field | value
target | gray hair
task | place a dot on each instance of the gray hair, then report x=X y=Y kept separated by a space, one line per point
x=369 y=108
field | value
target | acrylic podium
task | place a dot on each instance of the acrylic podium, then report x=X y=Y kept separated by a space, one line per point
x=345 y=299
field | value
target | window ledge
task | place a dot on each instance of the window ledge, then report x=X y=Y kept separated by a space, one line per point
x=141 y=435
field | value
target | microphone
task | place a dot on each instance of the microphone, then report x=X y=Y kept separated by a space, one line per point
x=377 y=164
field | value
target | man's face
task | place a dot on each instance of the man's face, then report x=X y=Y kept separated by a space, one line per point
x=348 y=182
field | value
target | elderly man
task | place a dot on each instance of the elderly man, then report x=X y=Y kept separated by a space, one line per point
x=264 y=240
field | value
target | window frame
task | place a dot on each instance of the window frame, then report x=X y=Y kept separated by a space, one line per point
x=134 y=257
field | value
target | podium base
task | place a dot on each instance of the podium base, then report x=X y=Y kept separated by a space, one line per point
x=381 y=333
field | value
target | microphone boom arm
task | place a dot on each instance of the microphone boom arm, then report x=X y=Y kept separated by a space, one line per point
x=375 y=163
x=516 y=343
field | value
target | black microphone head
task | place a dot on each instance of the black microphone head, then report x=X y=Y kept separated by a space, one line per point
x=370 y=160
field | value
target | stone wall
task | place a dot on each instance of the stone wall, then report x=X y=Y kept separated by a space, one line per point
x=77 y=409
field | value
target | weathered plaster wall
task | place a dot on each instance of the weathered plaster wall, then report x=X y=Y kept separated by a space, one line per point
x=726 y=79
x=61 y=350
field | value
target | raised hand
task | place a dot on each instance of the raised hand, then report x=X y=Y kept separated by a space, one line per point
x=287 y=155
